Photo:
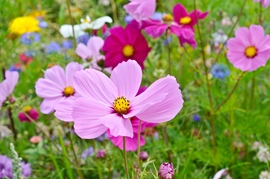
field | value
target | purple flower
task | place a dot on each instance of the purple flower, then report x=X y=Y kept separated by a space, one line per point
x=220 y=71
x=5 y=167
x=143 y=155
x=42 y=24
x=87 y=152
x=26 y=169
x=15 y=67
x=166 y=171
x=128 y=19
x=29 y=38
x=83 y=39
x=101 y=154
x=157 y=16
x=67 y=44
x=196 y=118
x=53 y=47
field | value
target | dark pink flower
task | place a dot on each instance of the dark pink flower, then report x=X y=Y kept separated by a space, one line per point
x=29 y=111
x=124 y=44
x=25 y=59
x=166 y=171
x=182 y=17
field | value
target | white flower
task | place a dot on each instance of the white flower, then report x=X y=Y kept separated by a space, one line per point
x=263 y=154
x=4 y=131
x=104 y=2
x=256 y=145
x=66 y=29
x=220 y=173
x=219 y=37
x=265 y=175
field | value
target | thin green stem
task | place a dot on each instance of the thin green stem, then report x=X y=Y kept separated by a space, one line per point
x=12 y=124
x=75 y=156
x=138 y=151
x=253 y=82
x=260 y=20
x=114 y=10
x=125 y=157
x=71 y=22
x=169 y=53
x=165 y=134
x=230 y=94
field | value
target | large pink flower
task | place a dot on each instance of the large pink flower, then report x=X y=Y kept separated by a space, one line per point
x=132 y=142
x=7 y=86
x=57 y=86
x=140 y=9
x=110 y=103
x=265 y=3
x=182 y=17
x=124 y=44
x=250 y=49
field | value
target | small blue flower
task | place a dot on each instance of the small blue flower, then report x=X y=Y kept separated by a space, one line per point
x=128 y=19
x=29 y=38
x=196 y=118
x=83 y=39
x=67 y=44
x=169 y=40
x=157 y=16
x=53 y=47
x=42 y=24
x=26 y=169
x=220 y=71
x=15 y=67
x=87 y=152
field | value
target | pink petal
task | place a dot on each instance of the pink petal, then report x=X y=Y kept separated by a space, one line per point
x=179 y=11
x=83 y=51
x=118 y=125
x=95 y=85
x=46 y=88
x=219 y=174
x=95 y=44
x=156 y=30
x=86 y=114
x=12 y=80
x=243 y=34
x=129 y=84
x=166 y=109
x=257 y=34
x=71 y=69
x=56 y=74
x=47 y=105
x=63 y=110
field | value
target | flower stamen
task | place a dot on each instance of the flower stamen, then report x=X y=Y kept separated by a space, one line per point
x=69 y=91
x=121 y=105
x=27 y=109
x=251 y=52
x=128 y=51
x=185 y=20
x=167 y=18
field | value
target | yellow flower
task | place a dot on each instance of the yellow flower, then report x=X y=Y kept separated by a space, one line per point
x=38 y=13
x=21 y=25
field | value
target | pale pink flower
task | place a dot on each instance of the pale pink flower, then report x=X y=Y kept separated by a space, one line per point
x=220 y=173
x=140 y=9
x=250 y=49
x=35 y=139
x=57 y=86
x=109 y=103
x=265 y=3
x=7 y=86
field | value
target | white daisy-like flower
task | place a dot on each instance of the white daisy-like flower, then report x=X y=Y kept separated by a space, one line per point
x=265 y=175
x=79 y=29
x=263 y=154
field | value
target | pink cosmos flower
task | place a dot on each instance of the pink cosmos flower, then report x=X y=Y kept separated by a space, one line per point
x=35 y=139
x=265 y=3
x=7 y=86
x=57 y=86
x=124 y=44
x=110 y=103
x=29 y=111
x=182 y=17
x=140 y=9
x=132 y=142
x=250 y=49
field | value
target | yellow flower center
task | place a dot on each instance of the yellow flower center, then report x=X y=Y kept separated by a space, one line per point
x=128 y=51
x=27 y=109
x=68 y=91
x=167 y=18
x=251 y=52
x=185 y=20
x=121 y=105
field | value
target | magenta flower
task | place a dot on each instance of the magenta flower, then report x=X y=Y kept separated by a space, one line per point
x=250 y=49
x=7 y=86
x=132 y=142
x=140 y=9
x=31 y=112
x=57 y=86
x=265 y=3
x=182 y=17
x=166 y=171
x=124 y=44
x=110 y=103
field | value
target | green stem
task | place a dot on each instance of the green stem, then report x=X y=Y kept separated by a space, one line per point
x=169 y=54
x=230 y=94
x=125 y=157
x=165 y=134
x=71 y=22
x=138 y=151
x=252 y=92
x=12 y=124
x=114 y=10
